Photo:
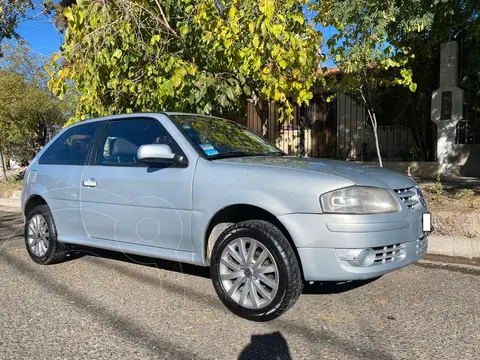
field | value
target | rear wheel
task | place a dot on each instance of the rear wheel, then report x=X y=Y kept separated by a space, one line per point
x=41 y=237
x=255 y=271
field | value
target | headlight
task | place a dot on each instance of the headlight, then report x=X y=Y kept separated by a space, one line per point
x=359 y=200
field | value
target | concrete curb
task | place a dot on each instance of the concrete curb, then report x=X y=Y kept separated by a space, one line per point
x=7 y=195
x=10 y=203
x=9 y=206
x=454 y=246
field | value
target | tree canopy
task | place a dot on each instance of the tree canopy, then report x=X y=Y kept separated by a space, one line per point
x=191 y=55
x=29 y=113
x=11 y=12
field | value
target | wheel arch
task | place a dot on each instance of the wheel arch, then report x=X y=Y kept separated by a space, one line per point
x=235 y=213
x=32 y=202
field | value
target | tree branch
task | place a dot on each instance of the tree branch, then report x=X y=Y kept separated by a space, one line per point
x=165 y=21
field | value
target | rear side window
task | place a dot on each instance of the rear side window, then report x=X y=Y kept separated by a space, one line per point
x=72 y=147
x=122 y=139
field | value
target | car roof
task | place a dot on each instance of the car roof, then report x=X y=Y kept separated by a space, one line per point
x=130 y=115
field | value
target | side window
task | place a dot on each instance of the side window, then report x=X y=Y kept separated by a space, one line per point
x=71 y=148
x=122 y=139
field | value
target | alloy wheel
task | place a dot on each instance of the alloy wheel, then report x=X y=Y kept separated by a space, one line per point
x=249 y=273
x=38 y=235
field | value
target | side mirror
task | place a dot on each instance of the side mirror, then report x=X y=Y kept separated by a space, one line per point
x=158 y=153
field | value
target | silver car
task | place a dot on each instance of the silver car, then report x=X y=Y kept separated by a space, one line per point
x=209 y=192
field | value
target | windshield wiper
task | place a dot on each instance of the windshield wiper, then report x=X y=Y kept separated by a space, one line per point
x=233 y=153
x=241 y=153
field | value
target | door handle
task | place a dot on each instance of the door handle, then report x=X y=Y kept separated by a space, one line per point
x=89 y=183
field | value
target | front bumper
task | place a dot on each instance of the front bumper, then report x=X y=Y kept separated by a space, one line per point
x=325 y=243
x=324 y=264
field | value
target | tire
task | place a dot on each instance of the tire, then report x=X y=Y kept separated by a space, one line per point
x=272 y=284
x=40 y=217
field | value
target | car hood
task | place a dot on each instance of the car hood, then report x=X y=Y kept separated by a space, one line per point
x=360 y=174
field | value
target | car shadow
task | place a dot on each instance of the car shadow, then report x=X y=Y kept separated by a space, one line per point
x=266 y=346
x=319 y=288
x=335 y=287
x=168 y=265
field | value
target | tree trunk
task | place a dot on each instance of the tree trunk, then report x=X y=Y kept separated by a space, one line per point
x=3 y=170
x=373 y=119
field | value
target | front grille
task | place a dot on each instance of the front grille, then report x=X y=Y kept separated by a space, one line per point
x=422 y=245
x=388 y=254
x=410 y=197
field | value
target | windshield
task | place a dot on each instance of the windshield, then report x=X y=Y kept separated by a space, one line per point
x=220 y=138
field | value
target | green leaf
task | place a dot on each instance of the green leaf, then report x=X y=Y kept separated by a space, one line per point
x=209 y=80
x=154 y=39
x=256 y=42
x=176 y=80
x=267 y=7
x=412 y=87
x=117 y=54
x=208 y=108
x=230 y=93
x=68 y=13
x=178 y=76
x=232 y=12
x=192 y=69
x=168 y=86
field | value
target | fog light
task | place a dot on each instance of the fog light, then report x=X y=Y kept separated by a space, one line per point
x=366 y=257
x=359 y=257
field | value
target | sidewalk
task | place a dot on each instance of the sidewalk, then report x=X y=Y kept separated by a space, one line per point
x=454 y=246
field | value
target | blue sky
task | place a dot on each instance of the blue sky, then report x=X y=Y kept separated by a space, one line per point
x=40 y=35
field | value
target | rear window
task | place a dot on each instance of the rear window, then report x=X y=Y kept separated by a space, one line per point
x=72 y=147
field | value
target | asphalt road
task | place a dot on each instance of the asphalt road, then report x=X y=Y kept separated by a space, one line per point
x=102 y=305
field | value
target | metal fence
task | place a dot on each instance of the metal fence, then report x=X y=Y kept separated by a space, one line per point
x=337 y=129
x=311 y=132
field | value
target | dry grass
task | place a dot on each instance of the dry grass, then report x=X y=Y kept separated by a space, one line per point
x=455 y=212
x=8 y=187
x=464 y=199
x=14 y=183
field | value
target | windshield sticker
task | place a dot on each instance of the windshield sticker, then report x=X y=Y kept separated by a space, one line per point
x=208 y=149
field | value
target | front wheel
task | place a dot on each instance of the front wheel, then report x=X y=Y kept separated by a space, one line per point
x=255 y=271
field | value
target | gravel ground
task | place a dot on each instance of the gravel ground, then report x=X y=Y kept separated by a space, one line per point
x=102 y=305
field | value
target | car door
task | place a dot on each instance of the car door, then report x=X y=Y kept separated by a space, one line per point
x=127 y=201
x=58 y=173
